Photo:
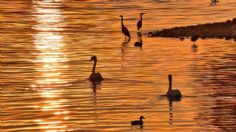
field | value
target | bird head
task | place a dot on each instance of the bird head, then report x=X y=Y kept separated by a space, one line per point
x=141 y=117
x=121 y=16
x=93 y=58
x=142 y=14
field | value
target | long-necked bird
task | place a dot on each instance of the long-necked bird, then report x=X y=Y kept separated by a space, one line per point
x=124 y=29
x=140 y=22
x=95 y=76
x=173 y=94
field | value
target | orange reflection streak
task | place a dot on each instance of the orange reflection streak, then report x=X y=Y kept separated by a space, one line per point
x=50 y=63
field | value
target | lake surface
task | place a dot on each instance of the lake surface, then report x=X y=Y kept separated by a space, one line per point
x=45 y=62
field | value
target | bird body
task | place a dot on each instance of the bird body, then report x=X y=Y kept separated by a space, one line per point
x=139 y=24
x=95 y=77
x=124 y=29
x=173 y=94
x=194 y=38
x=138 y=122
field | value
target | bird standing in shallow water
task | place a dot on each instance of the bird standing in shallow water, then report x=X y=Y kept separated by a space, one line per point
x=95 y=77
x=138 y=122
x=140 y=22
x=124 y=29
x=173 y=94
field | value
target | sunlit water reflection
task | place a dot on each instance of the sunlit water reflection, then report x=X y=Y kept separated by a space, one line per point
x=46 y=47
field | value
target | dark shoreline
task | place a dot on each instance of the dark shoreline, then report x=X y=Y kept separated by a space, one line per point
x=222 y=30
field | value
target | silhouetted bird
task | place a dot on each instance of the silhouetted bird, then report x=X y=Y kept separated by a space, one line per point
x=194 y=38
x=173 y=94
x=95 y=77
x=138 y=43
x=138 y=122
x=139 y=23
x=124 y=29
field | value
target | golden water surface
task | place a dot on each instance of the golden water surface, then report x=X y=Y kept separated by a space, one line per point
x=46 y=47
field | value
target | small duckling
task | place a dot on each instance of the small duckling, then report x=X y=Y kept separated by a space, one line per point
x=138 y=122
x=173 y=94
x=95 y=77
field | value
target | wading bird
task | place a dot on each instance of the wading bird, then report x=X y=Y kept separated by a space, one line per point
x=124 y=29
x=173 y=94
x=95 y=76
x=138 y=122
x=140 y=22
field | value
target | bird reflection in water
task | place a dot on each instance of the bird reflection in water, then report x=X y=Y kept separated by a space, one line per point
x=139 y=43
x=213 y=2
x=170 y=113
x=94 y=87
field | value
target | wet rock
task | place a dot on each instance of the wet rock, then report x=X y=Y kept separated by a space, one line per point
x=220 y=30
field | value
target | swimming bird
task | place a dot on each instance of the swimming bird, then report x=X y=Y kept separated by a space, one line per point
x=173 y=94
x=138 y=122
x=95 y=77
x=124 y=29
x=140 y=22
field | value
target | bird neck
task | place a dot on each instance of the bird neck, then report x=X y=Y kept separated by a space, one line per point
x=94 y=66
x=170 y=84
x=122 y=22
x=141 y=18
x=141 y=119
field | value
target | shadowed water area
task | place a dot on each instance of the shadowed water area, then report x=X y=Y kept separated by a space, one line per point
x=46 y=48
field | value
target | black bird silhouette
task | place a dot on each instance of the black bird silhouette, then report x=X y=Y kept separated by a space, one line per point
x=124 y=29
x=194 y=38
x=140 y=22
x=173 y=94
x=95 y=77
x=138 y=122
